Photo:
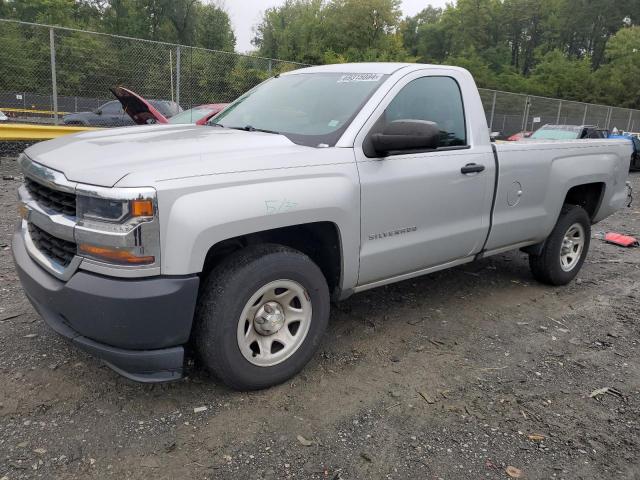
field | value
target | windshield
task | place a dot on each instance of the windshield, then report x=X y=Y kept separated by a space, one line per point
x=166 y=108
x=310 y=108
x=190 y=116
x=557 y=133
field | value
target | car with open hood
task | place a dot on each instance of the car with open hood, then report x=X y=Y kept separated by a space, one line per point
x=128 y=109
x=143 y=112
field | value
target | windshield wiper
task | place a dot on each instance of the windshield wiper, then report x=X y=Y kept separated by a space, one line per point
x=250 y=128
x=214 y=124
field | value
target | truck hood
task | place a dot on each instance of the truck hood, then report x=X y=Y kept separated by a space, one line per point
x=161 y=152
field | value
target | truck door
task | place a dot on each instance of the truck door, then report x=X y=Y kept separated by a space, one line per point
x=424 y=209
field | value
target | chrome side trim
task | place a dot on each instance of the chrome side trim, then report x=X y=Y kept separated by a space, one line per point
x=45 y=176
x=121 y=271
x=417 y=273
x=55 y=223
x=508 y=248
x=115 y=193
x=59 y=271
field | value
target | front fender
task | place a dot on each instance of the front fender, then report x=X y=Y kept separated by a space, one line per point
x=200 y=212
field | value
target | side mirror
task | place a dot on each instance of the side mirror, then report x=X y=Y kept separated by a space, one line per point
x=97 y=111
x=406 y=135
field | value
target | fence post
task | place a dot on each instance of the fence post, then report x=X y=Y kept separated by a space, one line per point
x=493 y=111
x=171 y=73
x=629 y=122
x=609 y=114
x=178 y=75
x=559 y=113
x=270 y=67
x=525 y=116
x=54 y=82
x=584 y=117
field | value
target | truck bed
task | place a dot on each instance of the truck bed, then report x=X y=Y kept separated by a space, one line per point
x=535 y=176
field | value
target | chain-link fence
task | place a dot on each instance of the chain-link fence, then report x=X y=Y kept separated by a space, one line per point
x=47 y=70
x=511 y=113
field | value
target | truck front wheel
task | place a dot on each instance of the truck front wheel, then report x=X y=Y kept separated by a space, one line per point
x=565 y=249
x=260 y=316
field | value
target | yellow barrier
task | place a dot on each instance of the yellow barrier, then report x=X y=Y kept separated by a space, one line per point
x=21 y=131
x=27 y=110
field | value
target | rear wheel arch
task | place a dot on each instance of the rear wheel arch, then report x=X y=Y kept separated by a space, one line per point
x=588 y=196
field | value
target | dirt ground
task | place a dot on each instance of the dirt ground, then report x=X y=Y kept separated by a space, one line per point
x=457 y=375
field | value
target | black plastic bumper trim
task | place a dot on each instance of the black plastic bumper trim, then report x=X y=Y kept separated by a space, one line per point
x=137 y=326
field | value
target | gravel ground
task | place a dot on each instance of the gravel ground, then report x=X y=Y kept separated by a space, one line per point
x=467 y=373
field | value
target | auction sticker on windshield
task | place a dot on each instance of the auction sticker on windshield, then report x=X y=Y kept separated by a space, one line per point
x=360 y=77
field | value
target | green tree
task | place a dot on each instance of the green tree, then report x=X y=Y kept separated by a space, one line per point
x=213 y=28
x=556 y=75
x=312 y=31
x=295 y=31
x=618 y=78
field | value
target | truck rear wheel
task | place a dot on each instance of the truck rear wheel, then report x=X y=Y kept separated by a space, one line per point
x=565 y=249
x=260 y=316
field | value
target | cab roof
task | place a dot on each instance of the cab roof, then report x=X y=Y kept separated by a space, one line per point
x=372 y=67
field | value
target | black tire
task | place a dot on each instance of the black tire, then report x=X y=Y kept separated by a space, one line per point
x=225 y=293
x=546 y=267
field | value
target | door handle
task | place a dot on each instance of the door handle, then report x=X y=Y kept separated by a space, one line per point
x=472 y=168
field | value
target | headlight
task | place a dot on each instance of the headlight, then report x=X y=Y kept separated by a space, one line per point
x=118 y=226
x=101 y=209
x=113 y=211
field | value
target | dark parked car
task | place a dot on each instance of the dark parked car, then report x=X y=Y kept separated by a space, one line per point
x=111 y=114
x=569 y=132
x=635 y=157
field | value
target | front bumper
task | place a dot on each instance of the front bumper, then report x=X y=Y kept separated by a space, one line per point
x=137 y=326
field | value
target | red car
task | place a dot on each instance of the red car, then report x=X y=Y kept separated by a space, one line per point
x=143 y=113
x=517 y=136
x=198 y=115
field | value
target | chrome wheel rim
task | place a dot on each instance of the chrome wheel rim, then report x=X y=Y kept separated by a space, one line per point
x=274 y=323
x=572 y=246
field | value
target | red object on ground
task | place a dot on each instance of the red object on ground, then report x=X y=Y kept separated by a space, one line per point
x=622 y=240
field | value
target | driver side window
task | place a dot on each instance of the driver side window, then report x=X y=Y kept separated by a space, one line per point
x=435 y=99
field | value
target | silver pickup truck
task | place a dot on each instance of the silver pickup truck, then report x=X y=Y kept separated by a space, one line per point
x=137 y=243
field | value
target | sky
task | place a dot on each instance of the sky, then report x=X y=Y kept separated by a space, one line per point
x=247 y=13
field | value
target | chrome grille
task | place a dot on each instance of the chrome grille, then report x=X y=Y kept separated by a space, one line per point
x=58 y=250
x=56 y=200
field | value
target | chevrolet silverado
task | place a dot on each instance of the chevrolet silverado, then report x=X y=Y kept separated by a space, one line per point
x=141 y=242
